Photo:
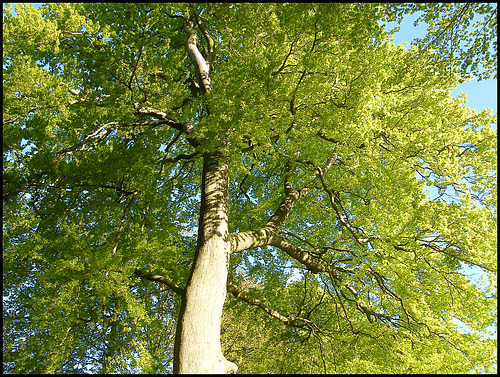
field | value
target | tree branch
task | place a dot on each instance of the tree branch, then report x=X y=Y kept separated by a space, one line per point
x=287 y=320
x=251 y=239
x=210 y=41
x=187 y=128
x=340 y=216
x=160 y=279
x=200 y=64
x=100 y=133
x=122 y=223
x=268 y=234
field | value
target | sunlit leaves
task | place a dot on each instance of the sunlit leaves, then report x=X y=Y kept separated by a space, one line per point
x=93 y=189
x=459 y=35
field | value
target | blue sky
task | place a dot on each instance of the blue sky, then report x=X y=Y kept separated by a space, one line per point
x=481 y=94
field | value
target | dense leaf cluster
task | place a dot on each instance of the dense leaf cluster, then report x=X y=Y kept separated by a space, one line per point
x=333 y=136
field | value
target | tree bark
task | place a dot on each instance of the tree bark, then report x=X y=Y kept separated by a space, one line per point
x=197 y=339
x=197 y=345
x=200 y=64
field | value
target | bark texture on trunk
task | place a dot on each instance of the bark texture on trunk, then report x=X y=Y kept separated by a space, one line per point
x=198 y=348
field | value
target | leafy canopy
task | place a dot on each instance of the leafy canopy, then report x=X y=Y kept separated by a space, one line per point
x=102 y=179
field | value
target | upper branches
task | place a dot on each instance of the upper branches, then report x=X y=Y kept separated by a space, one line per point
x=202 y=65
x=460 y=34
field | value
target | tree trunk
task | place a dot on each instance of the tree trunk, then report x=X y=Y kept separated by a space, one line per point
x=197 y=344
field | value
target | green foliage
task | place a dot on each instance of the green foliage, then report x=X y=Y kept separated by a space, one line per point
x=260 y=345
x=460 y=35
x=94 y=188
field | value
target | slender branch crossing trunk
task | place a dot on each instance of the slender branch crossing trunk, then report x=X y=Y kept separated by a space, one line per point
x=198 y=348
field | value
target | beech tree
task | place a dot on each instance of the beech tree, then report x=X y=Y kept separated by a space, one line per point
x=201 y=187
